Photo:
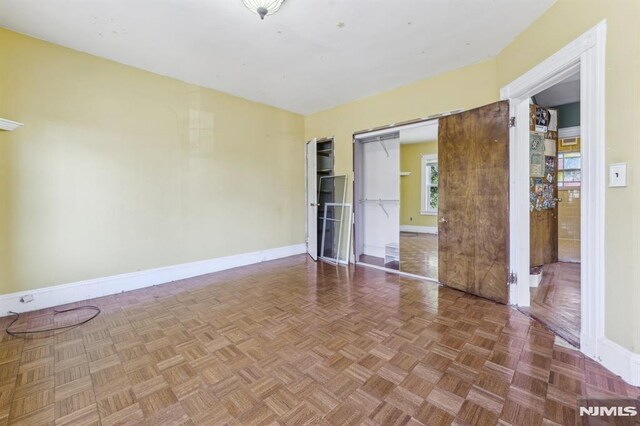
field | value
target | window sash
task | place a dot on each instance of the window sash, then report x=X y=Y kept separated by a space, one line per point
x=429 y=162
x=564 y=171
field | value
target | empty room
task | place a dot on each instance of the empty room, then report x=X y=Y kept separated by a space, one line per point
x=327 y=212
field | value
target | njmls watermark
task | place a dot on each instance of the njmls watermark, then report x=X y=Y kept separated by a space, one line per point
x=608 y=412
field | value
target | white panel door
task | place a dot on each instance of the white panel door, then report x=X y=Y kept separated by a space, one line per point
x=312 y=200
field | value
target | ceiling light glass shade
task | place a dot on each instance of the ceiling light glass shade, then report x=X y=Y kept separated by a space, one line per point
x=263 y=8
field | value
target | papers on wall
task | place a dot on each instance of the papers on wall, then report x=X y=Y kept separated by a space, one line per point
x=553 y=120
x=542 y=154
x=542 y=119
x=550 y=147
x=537 y=165
x=536 y=152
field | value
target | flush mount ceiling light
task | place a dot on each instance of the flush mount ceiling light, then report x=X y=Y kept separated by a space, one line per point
x=263 y=8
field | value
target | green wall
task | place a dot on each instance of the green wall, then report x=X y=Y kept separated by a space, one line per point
x=568 y=115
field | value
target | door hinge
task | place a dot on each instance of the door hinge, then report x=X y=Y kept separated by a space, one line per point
x=512 y=122
x=513 y=278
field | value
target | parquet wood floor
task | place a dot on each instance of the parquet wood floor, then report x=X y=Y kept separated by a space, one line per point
x=556 y=301
x=419 y=254
x=378 y=261
x=293 y=342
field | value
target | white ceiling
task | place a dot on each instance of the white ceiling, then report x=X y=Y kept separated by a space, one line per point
x=311 y=55
x=565 y=92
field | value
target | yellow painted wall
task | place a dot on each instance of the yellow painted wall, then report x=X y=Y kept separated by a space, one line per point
x=117 y=169
x=5 y=263
x=104 y=177
x=5 y=272
x=463 y=88
x=479 y=84
x=411 y=186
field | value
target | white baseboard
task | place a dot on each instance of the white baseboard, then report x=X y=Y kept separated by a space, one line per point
x=419 y=229
x=375 y=251
x=616 y=358
x=98 y=287
x=620 y=361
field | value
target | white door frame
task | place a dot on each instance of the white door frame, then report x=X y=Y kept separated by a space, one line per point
x=587 y=55
x=311 y=197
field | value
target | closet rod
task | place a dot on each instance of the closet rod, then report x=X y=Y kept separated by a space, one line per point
x=386 y=137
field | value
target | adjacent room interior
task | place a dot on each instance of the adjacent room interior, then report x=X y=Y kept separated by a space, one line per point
x=396 y=182
x=294 y=212
x=555 y=208
x=419 y=200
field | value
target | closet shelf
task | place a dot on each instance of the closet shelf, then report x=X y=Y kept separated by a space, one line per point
x=8 y=124
x=378 y=200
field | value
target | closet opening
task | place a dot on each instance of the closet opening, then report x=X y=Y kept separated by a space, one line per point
x=419 y=193
x=555 y=212
x=328 y=235
x=461 y=160
x=396 y=192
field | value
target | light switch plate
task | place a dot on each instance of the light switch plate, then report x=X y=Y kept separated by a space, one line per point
x=617 y=175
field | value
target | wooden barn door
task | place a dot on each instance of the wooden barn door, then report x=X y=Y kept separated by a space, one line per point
x=473 y=210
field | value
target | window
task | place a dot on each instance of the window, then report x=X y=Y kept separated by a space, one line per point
x=569 y=174
x=429 y=184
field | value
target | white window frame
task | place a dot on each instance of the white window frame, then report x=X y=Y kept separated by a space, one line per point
x=424 y=207
x=567 y=188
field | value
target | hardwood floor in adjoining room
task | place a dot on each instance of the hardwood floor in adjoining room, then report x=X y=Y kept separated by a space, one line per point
x=419 y=254
x=294 y=342
x=556 y=301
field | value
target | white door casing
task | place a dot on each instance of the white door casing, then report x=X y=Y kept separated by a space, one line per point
x=586 y=54
x=312 y=199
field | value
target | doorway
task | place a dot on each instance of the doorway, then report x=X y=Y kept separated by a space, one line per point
x=328 y=230
x=419 y=193
x=585 y=55
x=464 y=184
x=554 y=203
x=397 y=187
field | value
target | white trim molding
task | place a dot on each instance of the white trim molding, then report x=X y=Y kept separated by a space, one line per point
x=8 y=124
x=90 y=289
x=397 y=272
x=426 y=159
x=620 y=361
x=419 y=229
x=586 y=55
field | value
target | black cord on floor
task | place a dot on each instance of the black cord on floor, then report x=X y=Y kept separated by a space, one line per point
x=25 y=333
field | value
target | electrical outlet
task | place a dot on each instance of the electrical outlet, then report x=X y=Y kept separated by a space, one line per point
x=26 y=298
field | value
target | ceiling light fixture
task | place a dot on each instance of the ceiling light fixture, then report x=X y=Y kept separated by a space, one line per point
x=263 y=8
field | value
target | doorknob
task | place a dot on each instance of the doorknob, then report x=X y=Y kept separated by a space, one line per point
x=442 y=220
